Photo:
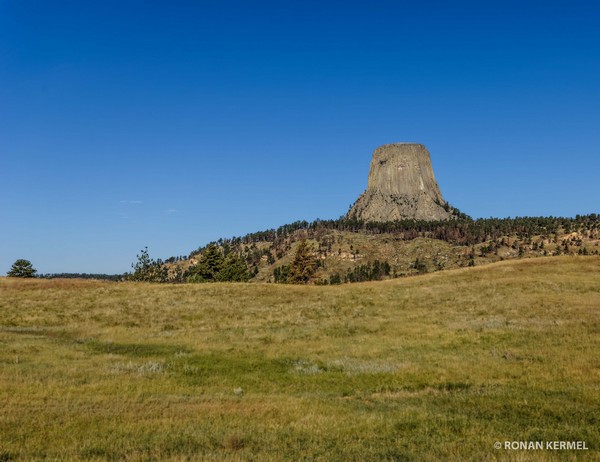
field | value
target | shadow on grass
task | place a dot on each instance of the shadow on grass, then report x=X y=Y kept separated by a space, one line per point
x=135 y=350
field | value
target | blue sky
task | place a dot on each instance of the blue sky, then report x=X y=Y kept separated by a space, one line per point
x=169 y=124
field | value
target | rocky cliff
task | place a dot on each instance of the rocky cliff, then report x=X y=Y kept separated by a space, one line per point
x=401 y=186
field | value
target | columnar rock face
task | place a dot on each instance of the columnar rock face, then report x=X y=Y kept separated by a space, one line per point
x=401 y=186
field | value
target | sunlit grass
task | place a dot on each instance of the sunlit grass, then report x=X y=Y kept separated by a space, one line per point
x=436 y=367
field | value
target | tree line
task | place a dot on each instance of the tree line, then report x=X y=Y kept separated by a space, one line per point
x=461 y=231
x=214 y=264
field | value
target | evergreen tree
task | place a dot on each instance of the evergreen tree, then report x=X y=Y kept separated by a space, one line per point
x=22 y=269
x=148 y=270
x=281 y=273
x=303 y=266
x=209 y=266
x=420 y=266
x=233 y=269
x=335 y=279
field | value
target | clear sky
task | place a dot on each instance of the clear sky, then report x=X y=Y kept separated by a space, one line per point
x=169 y=124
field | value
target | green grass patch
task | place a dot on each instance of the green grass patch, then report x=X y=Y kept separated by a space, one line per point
x=135 y=350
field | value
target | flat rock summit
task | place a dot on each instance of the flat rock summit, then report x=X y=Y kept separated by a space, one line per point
x=401 y=186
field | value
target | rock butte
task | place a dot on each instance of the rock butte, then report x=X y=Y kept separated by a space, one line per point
x=401 y=186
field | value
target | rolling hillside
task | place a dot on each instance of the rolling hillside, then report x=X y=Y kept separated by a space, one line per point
x=346 y=251
x=435 y=367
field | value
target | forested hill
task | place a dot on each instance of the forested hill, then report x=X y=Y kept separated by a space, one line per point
x=344 y=250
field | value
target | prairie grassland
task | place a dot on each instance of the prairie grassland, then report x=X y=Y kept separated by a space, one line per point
x=435 y=367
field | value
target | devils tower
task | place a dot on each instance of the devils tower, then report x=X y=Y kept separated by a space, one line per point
x=401 y=186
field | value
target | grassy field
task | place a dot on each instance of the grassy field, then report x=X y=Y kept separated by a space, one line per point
x=435 y=367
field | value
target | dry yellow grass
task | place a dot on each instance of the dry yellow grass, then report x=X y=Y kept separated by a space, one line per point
x=436 y=367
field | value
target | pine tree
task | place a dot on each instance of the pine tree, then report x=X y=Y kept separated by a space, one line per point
x=148 y=270
x=22 y=269
x=420 y=266
x=233 y=269
x=303 y=266
x=209 y=266
x=335 y=279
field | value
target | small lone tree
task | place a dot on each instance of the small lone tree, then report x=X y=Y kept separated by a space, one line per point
x=22 y=269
